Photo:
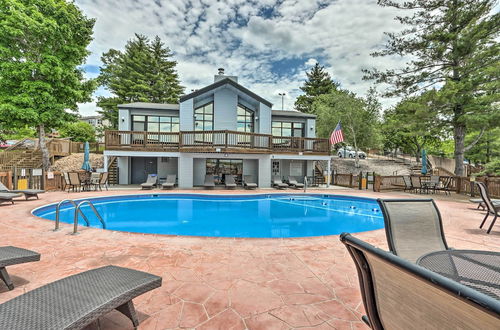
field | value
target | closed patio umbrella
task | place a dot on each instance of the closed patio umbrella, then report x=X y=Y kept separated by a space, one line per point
x=86 y=157
x=424 y=162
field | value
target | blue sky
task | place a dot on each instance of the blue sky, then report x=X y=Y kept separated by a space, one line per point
x=268 y=44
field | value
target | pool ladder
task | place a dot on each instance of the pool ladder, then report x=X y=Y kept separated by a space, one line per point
x=78 y=210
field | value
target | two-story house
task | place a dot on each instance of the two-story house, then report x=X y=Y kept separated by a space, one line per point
x=221 y=129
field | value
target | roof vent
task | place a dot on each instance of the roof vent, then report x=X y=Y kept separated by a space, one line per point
x=221 y=71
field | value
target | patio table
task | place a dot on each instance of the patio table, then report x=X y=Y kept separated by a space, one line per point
x=479 y=270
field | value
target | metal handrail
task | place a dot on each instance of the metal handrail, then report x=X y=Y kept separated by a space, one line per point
x=75 y=220
x=305 y=183
x=58 y=207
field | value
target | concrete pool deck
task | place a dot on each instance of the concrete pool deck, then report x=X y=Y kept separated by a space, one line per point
x=220 y=283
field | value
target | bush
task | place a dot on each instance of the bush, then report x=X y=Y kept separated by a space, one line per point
x=78 y=131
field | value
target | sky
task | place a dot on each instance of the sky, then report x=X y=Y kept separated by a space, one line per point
x=268 y=44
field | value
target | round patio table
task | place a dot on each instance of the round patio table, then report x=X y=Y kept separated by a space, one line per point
x=479 y=270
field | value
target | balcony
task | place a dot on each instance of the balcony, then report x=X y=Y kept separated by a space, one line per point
x=214 y=141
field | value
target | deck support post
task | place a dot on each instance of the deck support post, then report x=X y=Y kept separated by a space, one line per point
x=329 y=169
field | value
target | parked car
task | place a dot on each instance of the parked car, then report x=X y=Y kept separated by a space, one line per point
x=350 y=152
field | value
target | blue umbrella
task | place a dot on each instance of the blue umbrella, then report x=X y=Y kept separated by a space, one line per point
x=424 y=162
x=86 y=157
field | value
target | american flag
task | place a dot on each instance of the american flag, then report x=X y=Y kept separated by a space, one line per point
x=337 y=135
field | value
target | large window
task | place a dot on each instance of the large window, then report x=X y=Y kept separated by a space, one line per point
x=204 y=117
x=283 y=128
x=155 y=123
x=245 y=119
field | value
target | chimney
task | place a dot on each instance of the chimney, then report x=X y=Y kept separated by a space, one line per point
x=220 y=76
x=221 y=71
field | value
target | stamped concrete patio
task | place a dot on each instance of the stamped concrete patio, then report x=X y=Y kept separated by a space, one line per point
x=219 y=283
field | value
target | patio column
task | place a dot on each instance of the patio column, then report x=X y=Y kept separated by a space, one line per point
x=329 y=169
x=105 y=163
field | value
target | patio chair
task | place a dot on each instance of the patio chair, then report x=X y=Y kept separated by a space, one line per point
x=229 y=182
x=398 y=294
x=27 y=192
x=480 y=203
x=78 y=300
x=416 y=184
x=491 y=208
x=150 y=182
x=294 y=184
x=170 y=183
x=278 y=183
x=413 y=227
x=8 y=197
x=11 y=255
x=407 y=182
x=104 y=180
x=209 y=181
x=433 y=183
x=66 y=181
x=248 y=182
x=74 y=181
x=95 y=179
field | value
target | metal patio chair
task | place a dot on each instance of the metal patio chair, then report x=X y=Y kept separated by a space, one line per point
x=150 y=182
x=398 y=294
x=491 y=208
x=170 y=183
x=413 y=227
x=248 y=182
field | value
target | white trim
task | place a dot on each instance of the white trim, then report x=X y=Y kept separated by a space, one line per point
x=300 y=157
x=127 y=153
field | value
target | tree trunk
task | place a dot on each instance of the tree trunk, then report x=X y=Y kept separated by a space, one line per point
x=459 y=137
x=43 y=148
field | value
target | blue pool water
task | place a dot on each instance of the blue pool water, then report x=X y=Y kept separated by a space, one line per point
x=276 y=215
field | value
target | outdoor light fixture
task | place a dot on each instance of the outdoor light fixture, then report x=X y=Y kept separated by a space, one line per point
x=256 y=117
x=123 y=119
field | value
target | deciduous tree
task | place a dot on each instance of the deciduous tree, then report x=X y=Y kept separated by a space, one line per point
x=43 y=43
x=451 y=46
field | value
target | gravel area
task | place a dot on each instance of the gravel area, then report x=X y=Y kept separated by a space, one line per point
x=74 y=162
x=379 y=166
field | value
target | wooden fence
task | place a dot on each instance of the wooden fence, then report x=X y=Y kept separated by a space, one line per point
x=32 y=179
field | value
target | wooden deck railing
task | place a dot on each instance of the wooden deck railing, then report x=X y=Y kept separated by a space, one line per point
x=214 y=141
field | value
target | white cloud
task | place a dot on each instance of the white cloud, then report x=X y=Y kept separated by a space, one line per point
x=248 y=39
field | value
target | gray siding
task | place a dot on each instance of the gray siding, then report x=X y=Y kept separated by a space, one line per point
x=123 y=164
x=199 y=171
x=310 y=128
x=265 y=171
x=185 y=172
x=264 y=114
x=225 y=103
x=251 y=167
x=168 y=167
x=186 y=115
x=124 y=120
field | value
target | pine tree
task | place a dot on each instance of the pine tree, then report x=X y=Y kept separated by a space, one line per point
x=143 y=72
x=453 y=48
x=318 y=83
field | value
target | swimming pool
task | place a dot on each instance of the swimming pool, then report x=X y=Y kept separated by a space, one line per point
x=260 y=215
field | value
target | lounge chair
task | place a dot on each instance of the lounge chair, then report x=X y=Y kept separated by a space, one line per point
x=413 y=227
x=293 y=182
x=229 y=182
x=78 y=300
x=11 y=255
x=170 y=183
x=491 y=208
x=27 y=192
x=8 y=197
x=209 y=182
x=150 y=182
x=248 y=182
x=278 y=183
x=398 y=294
x=407 y=182
x=480 y=203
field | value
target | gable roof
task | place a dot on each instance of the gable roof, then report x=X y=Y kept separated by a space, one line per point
x=149 y=105
x=222 y=82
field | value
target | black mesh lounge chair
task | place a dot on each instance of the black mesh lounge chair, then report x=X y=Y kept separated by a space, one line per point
x=413 y=227
x=209 y=182
x=229 y=182
x=278 y=184
x=170 y=183
x=398 y=294
x=293 y=182
x=78 y=300
x=491 y=208
x=248 y=182
x=150 y=182
x=27 y=192
x=11 y=255
x=8 y=197
x=407 y=182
